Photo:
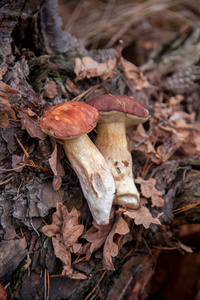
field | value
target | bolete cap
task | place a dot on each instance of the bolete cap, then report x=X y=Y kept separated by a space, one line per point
x=119 y=108
x=69 y=119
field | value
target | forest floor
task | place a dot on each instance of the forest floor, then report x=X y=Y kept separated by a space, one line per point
x=50 y=247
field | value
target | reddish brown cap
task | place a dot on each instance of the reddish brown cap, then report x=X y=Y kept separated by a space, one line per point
x=69 y=119
x=118 y=108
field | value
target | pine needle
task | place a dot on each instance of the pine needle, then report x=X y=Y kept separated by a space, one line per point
x=184 y=208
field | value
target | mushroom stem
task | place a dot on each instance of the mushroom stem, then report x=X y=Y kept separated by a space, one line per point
x=94 y=175
x=112 y=143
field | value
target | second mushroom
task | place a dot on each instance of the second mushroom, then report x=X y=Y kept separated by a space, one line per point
x=115 y=113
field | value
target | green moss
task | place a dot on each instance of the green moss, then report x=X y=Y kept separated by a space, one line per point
x=39 y=68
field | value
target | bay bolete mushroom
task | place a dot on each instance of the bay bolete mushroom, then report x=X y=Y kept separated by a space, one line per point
x=115 y=113
x=70 y=122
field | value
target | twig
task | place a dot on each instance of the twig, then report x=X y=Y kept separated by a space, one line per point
x=9 y=170
x=95 y=287
x=46 y=284
x=34 y=227
x=38 y=167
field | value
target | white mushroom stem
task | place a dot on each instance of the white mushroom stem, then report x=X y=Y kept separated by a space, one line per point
x=94 y=175
x=112 y=143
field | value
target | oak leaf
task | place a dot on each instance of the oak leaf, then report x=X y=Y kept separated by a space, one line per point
x=114 y=241
x=88 y=68
x=141 y=216
x=65 y=231
x=149 y=190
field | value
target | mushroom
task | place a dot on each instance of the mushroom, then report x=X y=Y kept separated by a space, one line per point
x=115 y=112
x=70 y=122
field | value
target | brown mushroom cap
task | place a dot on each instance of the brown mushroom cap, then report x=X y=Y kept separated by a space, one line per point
x=119 y=108
x=69 y=119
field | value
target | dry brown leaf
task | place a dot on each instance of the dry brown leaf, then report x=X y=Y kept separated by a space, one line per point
x=149 y=190
x=88 y=68
x=70 y=86
x=114 y=241
x=141 y=216
x=3 y=294
x=173 y=128
x=139 y=140
x=29 y=121
x=63 y=254
x=65 y=231
x=51 y=90
x=191 y=145
x=173 y=140
x=134 y=74
x=71 y=229
x=56 y=166
x=96 y=237
x=75 y=248
x=5 y=109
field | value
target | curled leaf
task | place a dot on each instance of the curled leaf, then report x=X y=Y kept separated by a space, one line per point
x=56 y=165
x=88 y=68
x=96 y=237
x=30 y=122
x=114 y=241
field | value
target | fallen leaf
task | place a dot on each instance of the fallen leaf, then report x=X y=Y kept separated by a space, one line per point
x=3 y=294
x=70 y=86
x=71 y=229
x=55 y=164
x=96 y=237
x=88 y=68
x=141 y=216
x=114 y=241
x=149 y=190
x=134 y=74
x=65 y=231
x=138 y=139
x=173 y=129
x=5 y=109
x=30 y=122
x=191 y=145
x=51 y=90
x=63 y=254
x=75 y=248
x=173 y=140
